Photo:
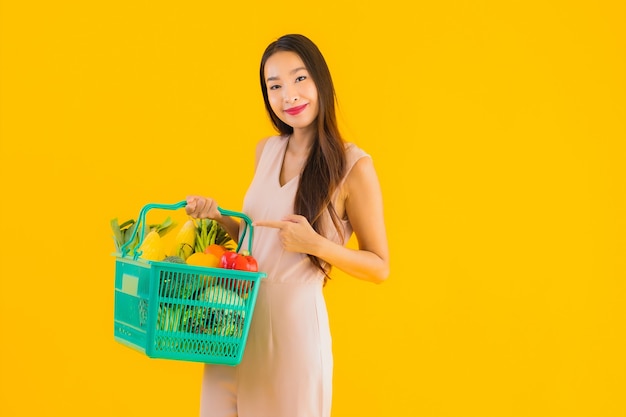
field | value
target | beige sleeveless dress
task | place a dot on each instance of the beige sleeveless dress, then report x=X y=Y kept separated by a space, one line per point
x=286 y=369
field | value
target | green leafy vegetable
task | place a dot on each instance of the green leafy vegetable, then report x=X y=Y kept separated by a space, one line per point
x=216 y=311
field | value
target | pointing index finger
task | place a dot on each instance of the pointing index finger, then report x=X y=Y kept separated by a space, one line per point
x=268 y=223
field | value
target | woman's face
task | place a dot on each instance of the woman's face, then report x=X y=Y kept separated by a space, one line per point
x=291 y=91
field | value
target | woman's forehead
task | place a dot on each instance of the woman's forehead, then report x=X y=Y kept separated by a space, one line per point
x=283 y=63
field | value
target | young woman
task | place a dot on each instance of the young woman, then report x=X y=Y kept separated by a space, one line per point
x=310 y=192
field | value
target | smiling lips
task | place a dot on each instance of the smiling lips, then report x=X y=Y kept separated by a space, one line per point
x=295 y=110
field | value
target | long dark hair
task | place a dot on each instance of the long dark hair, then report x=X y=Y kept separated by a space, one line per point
x=326 y=163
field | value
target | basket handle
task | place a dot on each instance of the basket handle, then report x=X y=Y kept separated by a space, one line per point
x=142 y=221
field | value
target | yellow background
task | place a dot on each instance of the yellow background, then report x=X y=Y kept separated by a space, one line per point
x=497 y=128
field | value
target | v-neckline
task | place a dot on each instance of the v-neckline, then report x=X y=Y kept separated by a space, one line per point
x=280 y=167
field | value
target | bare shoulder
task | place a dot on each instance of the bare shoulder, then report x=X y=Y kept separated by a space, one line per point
x=259 y=149
x=363 y=171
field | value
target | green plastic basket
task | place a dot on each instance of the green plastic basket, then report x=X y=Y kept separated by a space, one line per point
x=183 y=312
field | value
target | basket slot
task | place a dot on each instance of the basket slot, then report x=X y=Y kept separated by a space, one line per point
x=178 y=346
x=181 y=285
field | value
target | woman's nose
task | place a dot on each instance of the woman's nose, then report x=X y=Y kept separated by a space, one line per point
x=290 y=95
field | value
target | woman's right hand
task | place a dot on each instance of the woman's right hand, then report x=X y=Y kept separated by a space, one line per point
x=200 y=207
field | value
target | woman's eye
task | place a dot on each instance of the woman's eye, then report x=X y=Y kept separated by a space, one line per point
x=274 y=87
x=301 y=78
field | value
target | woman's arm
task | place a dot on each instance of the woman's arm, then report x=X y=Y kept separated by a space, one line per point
x=364 y=207
x=200 y=207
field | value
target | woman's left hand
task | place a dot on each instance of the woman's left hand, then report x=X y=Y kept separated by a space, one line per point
x=295 y=232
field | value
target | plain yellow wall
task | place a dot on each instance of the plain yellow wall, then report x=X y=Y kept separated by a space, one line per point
x=497 y=129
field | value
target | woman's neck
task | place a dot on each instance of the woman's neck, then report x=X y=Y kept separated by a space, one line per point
x=300 y=142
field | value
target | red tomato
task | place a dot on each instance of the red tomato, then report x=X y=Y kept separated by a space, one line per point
x=240 y=261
